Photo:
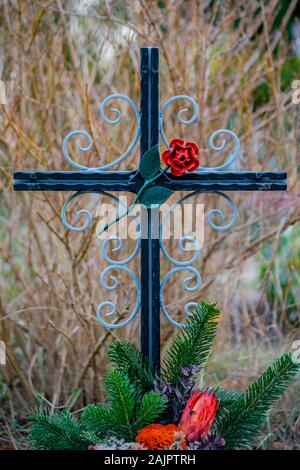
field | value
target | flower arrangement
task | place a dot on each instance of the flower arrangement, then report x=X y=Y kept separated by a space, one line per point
x=146 y=409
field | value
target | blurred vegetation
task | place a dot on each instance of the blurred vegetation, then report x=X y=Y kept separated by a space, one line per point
x=283 y=291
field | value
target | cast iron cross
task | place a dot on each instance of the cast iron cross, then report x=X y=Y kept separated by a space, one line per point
x=86 y=180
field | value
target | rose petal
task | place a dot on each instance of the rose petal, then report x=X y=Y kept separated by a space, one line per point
x=194 y=146
x=191 y=167
x=165 y=156
x=176 y=172
x=176 y=141
x=178 y=162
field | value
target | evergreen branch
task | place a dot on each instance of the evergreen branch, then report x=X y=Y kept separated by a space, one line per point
x=243 y=421
x=151 y=407
x=122 y=397
x=57 y=431
x=227 y=399
x=127 y=358
x=192 y=346
x=96 y=419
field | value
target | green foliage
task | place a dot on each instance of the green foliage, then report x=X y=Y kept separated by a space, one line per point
x=131 y=402
x=127 y=358
x=150 y=163
x=152 y=405
x=193 y=345
x=56 y=431
x=97 y=419
x=155 y=195
x=125 y=412
x=227 y=399
x=121 y=395
x=122 y=416
x=243 y=420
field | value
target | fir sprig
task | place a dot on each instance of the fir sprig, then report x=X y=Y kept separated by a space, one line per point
x=55 y=431
x=243 y=421
x=193 y=345
x=127 y=358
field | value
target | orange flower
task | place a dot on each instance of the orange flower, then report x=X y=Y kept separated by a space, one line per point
x=198 y=415
x=159 y=437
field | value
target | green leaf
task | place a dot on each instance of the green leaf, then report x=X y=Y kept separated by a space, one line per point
x=150 y=163
x=155 y=195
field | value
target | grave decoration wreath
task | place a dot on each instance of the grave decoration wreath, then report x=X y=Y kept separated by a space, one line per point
x=147 y=410
x=180 y=158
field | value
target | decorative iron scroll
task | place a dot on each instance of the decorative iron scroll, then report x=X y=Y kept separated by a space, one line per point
x=115 y=243
x=218 y=148
x=89 y=140
x=191 y=283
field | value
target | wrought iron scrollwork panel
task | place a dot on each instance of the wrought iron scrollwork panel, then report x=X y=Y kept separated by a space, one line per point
x=193 y=282
x=212 y=145
x=82 y=134
x=108 y=281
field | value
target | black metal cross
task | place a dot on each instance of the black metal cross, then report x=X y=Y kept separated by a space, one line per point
x=131 y=181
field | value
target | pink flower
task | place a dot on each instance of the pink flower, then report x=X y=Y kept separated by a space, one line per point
x=198 y=415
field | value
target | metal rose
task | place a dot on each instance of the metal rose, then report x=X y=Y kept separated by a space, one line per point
x=181 y=157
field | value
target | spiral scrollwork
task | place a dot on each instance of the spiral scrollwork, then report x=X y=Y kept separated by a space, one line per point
x=81 y=134
x=188 y=285
x=219 y=213
x=111 y=285
x=218 y=148
x=82 y=212
x=182 y=241
x=181 y=265
x=115 y=244
x=187 y=264
x=179 y=115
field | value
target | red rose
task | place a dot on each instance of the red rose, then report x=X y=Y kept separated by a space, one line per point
x=181 y=158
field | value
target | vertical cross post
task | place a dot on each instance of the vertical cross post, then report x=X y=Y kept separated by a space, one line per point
x=150 y=268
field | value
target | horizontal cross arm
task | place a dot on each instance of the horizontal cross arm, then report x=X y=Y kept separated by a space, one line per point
x=92 y=180
x=206 y=181
x=131 y=181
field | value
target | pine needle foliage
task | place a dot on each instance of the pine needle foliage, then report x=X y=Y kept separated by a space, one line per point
x=227 y=400
x=57 y=431
x=135 y=397
x=127 y=358
x=243 y=421
x=193 y=345
x=121 y=395
x=97 y=419
x=152 y=405
x=124 y=413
